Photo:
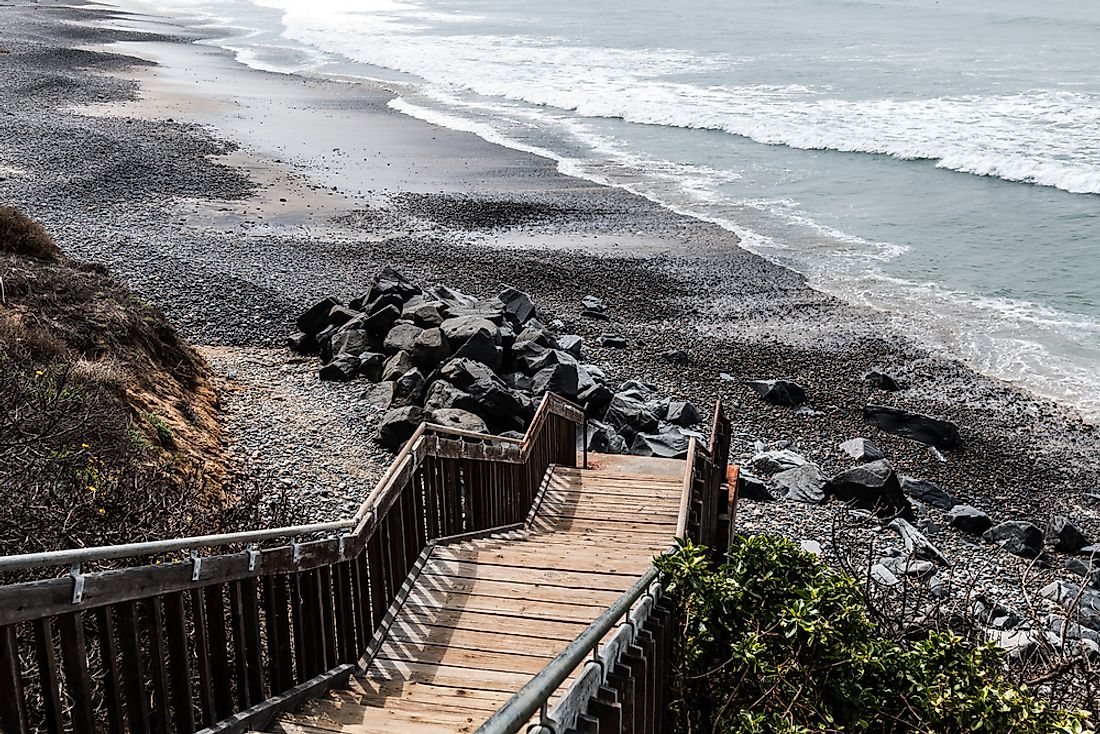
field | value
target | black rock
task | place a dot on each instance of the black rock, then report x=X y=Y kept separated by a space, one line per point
x=461 y=328
x=675 y=356
x=350 y=341
x=595 y=399
x=602 y=439
x=382 y=320
x=397 y=365
x=667 y=445
x=779 y=392
x=801 y=484
x=389 y=281
x=398 y=425
x=548 y=358
x=915 y=426
x=517 y=381
x=1090 y=550
x=460 y=419
x=480 y=348
x=752 y=487
x=1016 y=536
x=370 y=365
x=518 y=307
x=682 y=413
x=430 y=348
x=343 y=368
x=1064 y=536
x=1089 y=569
x=402 y=338
x=630 y=417
x=442 y=394
x=775 y=461
x=594 y=308
x=492 y=310
x=340 y=315
x=916 y=545
x=862 y=449
x=408 y=389
x=426 y=314
x=301 y=343
x=969 y=519
x=611 y=341
x=316 y=318
x=637 y=390
x=882 y=381
x=560 y=379
x=872 y=486
x=379 y=395
x=928 y=493
x=1082 y=603
x=571 y=343
x=497 y=403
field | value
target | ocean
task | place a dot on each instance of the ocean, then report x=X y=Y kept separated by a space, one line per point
x=939 y=161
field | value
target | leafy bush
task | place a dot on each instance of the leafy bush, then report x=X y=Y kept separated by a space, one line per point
x=773 y=640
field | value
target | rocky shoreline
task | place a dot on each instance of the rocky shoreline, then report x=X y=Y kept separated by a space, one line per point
x=152 y=198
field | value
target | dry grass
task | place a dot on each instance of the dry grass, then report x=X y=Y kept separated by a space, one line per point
x=21 y=235
x=108 y=420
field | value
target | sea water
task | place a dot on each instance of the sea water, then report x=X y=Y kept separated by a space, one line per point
x=939 y=161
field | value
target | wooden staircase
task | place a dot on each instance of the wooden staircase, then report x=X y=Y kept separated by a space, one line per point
x=484 y=615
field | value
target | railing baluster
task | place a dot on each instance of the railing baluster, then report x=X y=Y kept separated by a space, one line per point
x=299 y=616
x=108 y=651
x=328 y=617
x=179 y=662
x=202 y=658
x=157 y=668
x=74 y=661
x=133 y=668
x=240 y=645
x=220 y=670
x=49 y=677
x=13 y=707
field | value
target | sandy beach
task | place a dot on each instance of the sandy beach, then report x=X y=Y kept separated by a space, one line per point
x=234 y=198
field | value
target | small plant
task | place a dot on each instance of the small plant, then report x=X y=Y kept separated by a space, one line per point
x=21 y=235
x=165 y=436
x=773 y=640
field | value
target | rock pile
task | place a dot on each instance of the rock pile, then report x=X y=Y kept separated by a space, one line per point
x=436 y=354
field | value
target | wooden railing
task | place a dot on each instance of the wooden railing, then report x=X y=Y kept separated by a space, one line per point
x=707 y=513
x=223 y=642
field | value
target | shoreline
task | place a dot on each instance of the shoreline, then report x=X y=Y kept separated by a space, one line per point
x=232 y=270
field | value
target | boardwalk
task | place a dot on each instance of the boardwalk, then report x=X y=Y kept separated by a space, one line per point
x=485 y=615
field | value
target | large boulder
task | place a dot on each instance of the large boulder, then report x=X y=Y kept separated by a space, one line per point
x=682 y=413
x=1081 y=602
x=518 y=307
x=969 y=519
x=370 y=365
x=1064 y=536
x=547 y=358
x=571 y=343
x=442 y=394
x=779 y=392
x=350 y=341
x=315 y=319
x=497 y=403
x=459 y=329
x=776 y=460
x=480 y=347
x=862 y=449
x=382 y=316
x=611 y=341
x=670 y=444
x=398 y=425
x=918 y=427
x=1017 y=537
x=379 y=396
x=602 y=438
x=560 y=379
x=430 y=348
x=397 y=365
x=595 y=399
x=342 y=368
x=457 y=418
x=752 y=487
x=805 y=483
x=339 y=315
x=408 y=389
x=389 y=282
x=630 y=417
x=402 y=338
x=872 y=486
x=928 y=493
x=425 y=314
x=301 y=343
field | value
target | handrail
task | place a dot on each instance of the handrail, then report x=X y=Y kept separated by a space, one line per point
x=518 y=710
x=71 y=556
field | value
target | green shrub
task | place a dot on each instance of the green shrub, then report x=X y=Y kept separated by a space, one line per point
x=775 y=641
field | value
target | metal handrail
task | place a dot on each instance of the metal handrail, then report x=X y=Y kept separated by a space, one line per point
x=74 y=556
x=518 y=710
